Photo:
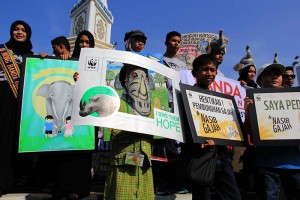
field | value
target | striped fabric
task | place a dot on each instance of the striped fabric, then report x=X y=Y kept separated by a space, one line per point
x=18 y=60
x=2 y=76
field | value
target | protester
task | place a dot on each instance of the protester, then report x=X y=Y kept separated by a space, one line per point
x=278 y=165
x=172 y=42
x=225 y=187
x=84 y=40
x=61 y=47
x=166 y=177
x=18 y=46
x=217 y=48
x=55 y=176
x=73 y=178
x=246 y=69
x=126 y=181
x=288 y=75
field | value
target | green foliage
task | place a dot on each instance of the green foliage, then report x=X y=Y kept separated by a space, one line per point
x=158 y=78
x=110 y=75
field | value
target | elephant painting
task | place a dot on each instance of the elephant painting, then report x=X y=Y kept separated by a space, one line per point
x=59 y=100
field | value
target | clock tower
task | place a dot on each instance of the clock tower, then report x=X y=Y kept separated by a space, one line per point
x=94 y=16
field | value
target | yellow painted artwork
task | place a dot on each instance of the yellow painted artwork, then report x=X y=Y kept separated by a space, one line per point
x=221 y=129
x=266 y=129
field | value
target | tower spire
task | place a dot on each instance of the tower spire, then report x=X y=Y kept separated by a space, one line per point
x=94 y=16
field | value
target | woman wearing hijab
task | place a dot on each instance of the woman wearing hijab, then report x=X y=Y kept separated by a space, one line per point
x=13 y=50
x=84 y=40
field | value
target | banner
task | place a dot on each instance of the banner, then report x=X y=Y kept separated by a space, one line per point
x=275 y=116
x=126 y=91
x=47 y=90
x=212 y=115
x=194 y=44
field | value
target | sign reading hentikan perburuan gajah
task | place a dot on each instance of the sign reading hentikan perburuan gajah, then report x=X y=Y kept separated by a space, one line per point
x=212 y=116
x=126 y=91
x=275 y=116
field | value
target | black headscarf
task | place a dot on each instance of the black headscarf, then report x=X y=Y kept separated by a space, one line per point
x=20 y=48
x=243 y=76
x=77 y=48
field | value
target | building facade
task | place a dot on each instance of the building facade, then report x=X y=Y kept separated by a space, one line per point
x=94 y=16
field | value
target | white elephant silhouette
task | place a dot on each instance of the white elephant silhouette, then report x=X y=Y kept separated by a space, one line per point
x=59 y=100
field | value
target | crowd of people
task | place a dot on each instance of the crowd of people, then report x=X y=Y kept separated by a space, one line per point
x=270 y=167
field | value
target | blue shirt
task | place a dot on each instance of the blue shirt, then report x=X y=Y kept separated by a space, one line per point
x=283 y=157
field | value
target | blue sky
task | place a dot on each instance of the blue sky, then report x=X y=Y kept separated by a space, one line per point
x=268 y=26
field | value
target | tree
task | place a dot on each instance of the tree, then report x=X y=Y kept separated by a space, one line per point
x=110 y=75
x=160 y=79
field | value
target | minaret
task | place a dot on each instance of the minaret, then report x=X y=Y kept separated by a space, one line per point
x=94 y=16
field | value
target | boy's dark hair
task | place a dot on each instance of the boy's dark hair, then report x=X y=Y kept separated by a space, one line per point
x=49 y=117
x=289 y=68
x=172 y=33
x=61 y=40
x=68 y=118
x=203 y=60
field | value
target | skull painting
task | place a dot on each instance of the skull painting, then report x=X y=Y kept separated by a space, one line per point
x=137 y=88
x=137 y=84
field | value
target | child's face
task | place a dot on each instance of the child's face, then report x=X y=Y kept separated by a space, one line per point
x=206 y=74
x=49 y=120
x=219 y=57
x=251 y=73
x=271 y=78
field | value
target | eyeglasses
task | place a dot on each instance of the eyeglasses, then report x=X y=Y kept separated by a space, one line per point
x=289 y=76
x=84 y=41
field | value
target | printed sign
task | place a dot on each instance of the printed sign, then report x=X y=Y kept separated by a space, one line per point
x=126 y=91
x=212 y=116
x=223 y=85
x=47 y=91
x=275 y=116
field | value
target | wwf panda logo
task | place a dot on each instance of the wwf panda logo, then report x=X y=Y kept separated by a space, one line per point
x=92 y=64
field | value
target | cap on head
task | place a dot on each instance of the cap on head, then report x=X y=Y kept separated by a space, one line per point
x=246 y=61
x=134 y=33
x=216 y=45
x=274 y=65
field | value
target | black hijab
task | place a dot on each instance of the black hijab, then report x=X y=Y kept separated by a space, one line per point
x=20 y=48
x=77 y=48
x=243 y=76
